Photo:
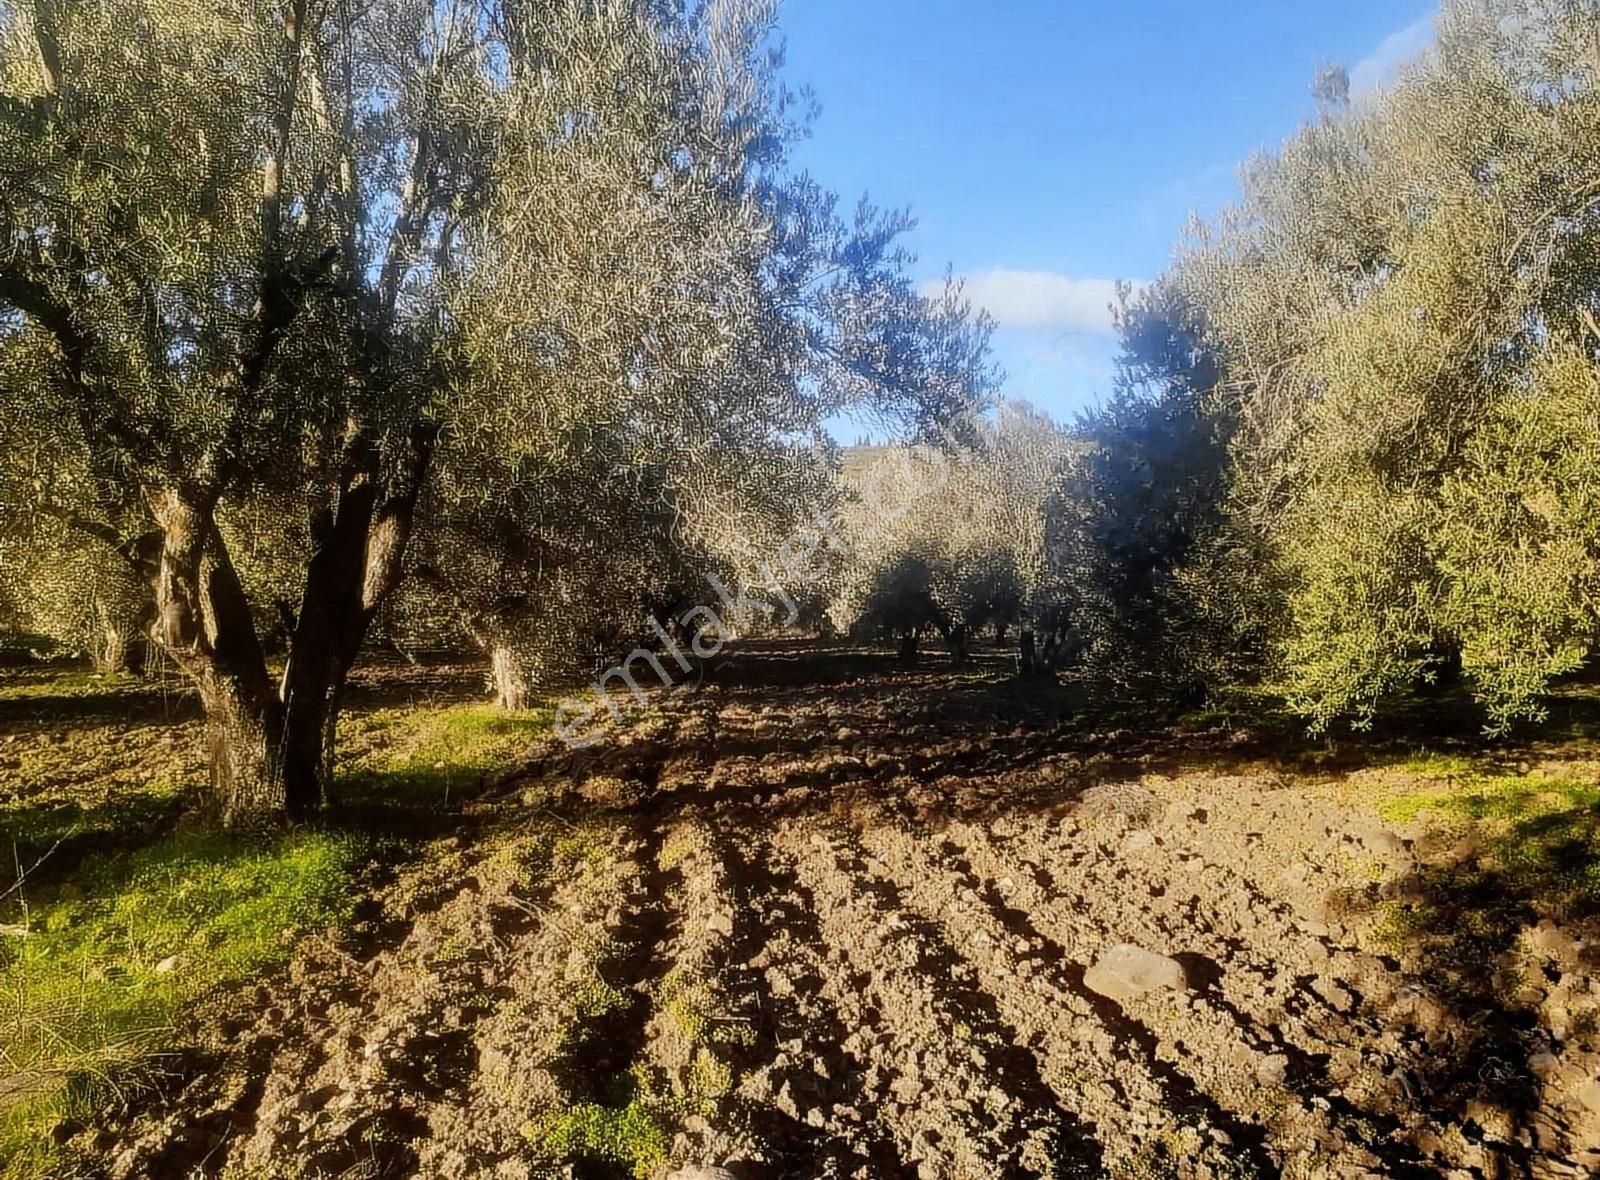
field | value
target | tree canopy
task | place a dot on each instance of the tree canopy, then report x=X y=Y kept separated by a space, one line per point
x=511 y=322
x=507 y=285
x=1349 y=449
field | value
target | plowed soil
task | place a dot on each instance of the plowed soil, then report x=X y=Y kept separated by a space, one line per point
x=823 y=916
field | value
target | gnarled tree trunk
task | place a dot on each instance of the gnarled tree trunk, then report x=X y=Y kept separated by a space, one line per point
x=271 y=745
x=203 y=622
x=329 y=629
x=244 y=742
x=509 y=677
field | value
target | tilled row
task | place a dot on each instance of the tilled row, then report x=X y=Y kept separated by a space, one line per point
x=948 y=1080
x=1282 y=999
x=766 y=941
x=1106 y=1066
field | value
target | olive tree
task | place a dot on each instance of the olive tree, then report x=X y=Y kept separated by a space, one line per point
x=1401 y=304
x=653 y=421
x=1157 y=583
x=951 y=539
x=232 y=226
x=341 y=268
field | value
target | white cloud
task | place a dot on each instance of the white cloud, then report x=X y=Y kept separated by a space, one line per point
x=1041 y=299
x=1379 y=68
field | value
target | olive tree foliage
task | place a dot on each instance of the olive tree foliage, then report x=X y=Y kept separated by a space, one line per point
x=1402 y=310
x=950 y=539
x=55 y=583
x=1154 y=588
x=649 y=427
x=619 y=548
x=79 y=595
x=229 y=229
x=336 y=269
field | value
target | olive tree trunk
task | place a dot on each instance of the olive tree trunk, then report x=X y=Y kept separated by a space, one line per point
x=958 y=638
x=510 y=679
x=203 y=622
x=1027 y=654
x=109 y=651
x=271 y=744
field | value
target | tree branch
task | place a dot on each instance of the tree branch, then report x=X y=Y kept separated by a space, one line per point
x=36 y=301
x=392 y=525
x=142 y=553
x=47 y=38
x=272 y=169
x=24 y=114
x=406 y=235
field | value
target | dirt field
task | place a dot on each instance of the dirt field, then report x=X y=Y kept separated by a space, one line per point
x=825 y=917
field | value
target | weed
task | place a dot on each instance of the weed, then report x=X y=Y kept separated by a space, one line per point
x=632 y=1135
x=709 y=1078
x=101 y=980
x=687 y=1004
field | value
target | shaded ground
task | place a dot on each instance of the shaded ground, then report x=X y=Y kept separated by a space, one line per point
x=826 y=917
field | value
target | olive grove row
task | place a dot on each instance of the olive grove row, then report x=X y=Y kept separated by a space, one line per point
x=505 y=312
x=506 y=325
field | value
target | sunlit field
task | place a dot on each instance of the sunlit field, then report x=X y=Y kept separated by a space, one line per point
x=543 y=636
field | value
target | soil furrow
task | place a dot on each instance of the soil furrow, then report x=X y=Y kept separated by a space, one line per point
x=806 y=923
x=694 y=1033
x=1085 y=1045
x=808 y=1086
x=969 y=1102
x=1226 y=1057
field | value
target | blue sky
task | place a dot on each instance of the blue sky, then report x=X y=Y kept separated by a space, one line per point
x=1050 y=147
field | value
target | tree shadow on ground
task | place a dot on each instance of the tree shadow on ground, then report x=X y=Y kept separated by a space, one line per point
x=1503 y=925
x=62 y=697
x=765 y=740
x=804 y=713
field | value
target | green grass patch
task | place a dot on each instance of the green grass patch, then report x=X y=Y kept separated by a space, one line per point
x=1448 y=781
x=632 y=1135
x=1539 y=834
x=1433 y=764
x=1462 y=791
x=1531 y=850
x=103 y=977
x=133 y=918
x=425 y=758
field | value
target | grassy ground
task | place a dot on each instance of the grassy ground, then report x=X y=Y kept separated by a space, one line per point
x=1524 y=848
x=98 y=983
x=119 y=915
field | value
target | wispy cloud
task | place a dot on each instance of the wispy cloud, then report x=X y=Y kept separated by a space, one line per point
x=1379 y=68
x=1041 y=299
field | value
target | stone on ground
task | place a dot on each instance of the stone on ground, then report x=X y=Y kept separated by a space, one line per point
x=1127 y=971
